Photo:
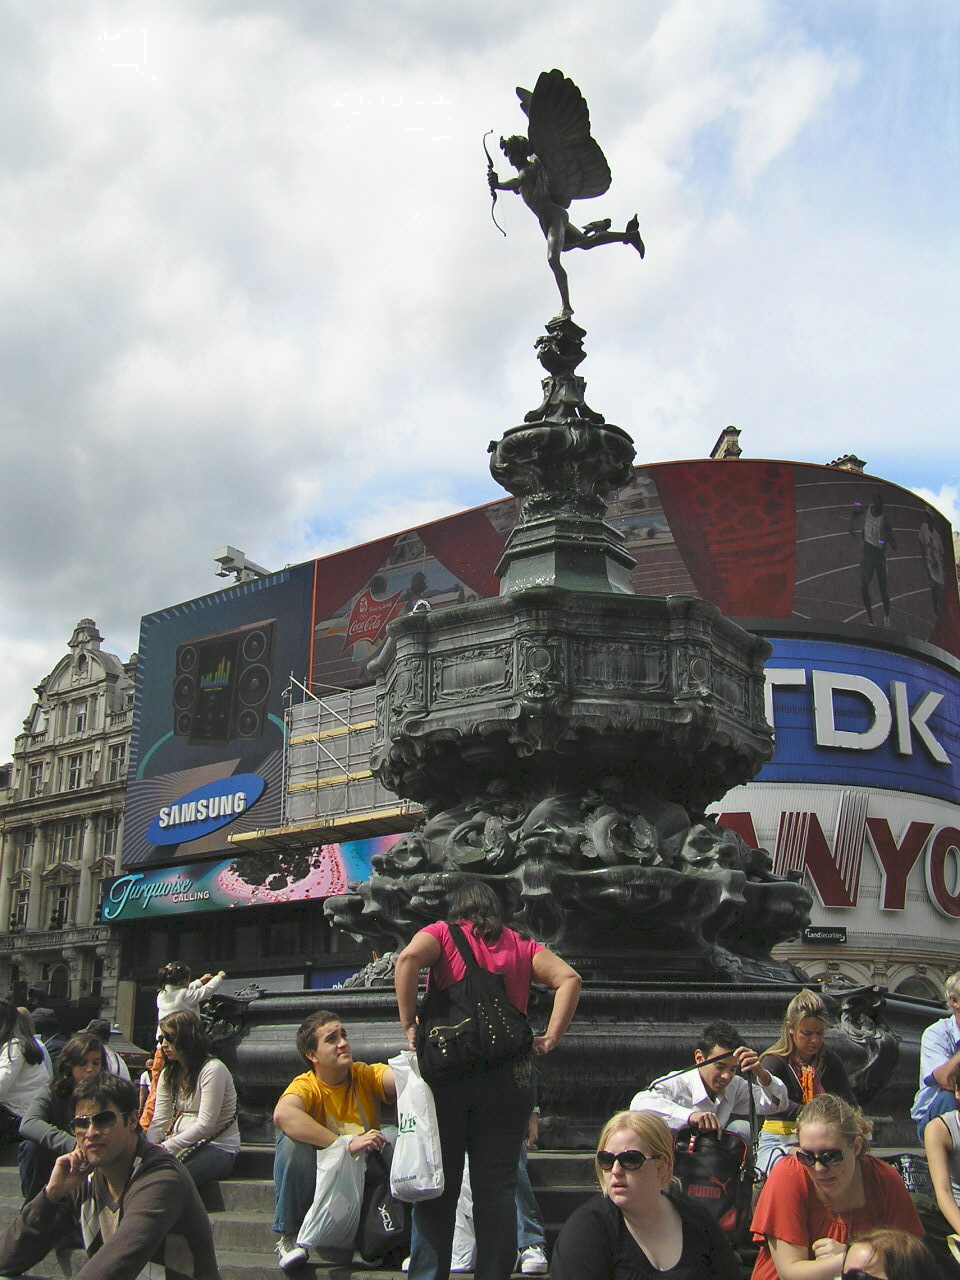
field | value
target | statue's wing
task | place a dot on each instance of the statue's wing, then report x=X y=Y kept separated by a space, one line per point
x=559 y=133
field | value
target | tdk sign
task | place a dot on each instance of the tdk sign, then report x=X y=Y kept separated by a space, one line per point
x=858 y=716
x=205 y=810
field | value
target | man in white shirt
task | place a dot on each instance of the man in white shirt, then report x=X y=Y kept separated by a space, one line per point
x=939 y=1062
x=712 y=1096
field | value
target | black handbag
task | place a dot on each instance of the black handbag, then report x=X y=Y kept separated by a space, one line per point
x=384 y=1220
x=470 y=1026
x=716 y=1170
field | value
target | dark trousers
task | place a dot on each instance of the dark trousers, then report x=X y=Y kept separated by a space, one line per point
x=35 y=1164
x=486 y=1117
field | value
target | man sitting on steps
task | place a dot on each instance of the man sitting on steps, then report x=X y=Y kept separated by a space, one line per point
x=336 y=1096
x=137 y=1208
x=711 y=1096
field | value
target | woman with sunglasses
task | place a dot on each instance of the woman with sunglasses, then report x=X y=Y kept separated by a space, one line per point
x=46 y=1128
x=195 y=1118
x=639 y=1226
x=827 y=1193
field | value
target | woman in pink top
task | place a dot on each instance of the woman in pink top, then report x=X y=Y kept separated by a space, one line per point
x=484 y=1115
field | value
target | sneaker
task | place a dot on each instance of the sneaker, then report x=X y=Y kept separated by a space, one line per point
x=458 y=1266
x=290 y=1255
x=533 y=1261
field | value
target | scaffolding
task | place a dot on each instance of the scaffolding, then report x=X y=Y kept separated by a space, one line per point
x=329 y=793
x=326 y=766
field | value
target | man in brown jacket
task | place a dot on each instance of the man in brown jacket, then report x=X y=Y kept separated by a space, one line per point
x=138 y=1210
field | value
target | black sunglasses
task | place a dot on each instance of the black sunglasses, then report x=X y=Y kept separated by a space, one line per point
x=630 y=1161
x=826 y=1159
x=857 y=1273
x=102 y=1120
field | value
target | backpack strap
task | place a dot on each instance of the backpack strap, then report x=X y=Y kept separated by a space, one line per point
x=466 y=951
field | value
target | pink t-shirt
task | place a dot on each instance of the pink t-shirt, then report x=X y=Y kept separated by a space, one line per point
x=511 y=956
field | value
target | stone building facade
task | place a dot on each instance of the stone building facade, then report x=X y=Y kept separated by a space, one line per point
x=61 y=832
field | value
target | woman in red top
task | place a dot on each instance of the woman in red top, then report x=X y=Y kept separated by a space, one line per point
x=486 y=1114
x=827 y=1193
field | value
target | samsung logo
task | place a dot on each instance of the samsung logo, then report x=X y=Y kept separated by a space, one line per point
x=200 y=810
x=210 y=807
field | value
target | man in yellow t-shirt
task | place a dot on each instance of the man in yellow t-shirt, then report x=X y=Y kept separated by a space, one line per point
x=335 y=1096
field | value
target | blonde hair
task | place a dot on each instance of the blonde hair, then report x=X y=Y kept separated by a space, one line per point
x=805 y=1004
x=651 y=1131
x=951 y=987
x=828 y=1109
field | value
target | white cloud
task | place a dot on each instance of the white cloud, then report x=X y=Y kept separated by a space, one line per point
x=250 y=291
x=946 y=499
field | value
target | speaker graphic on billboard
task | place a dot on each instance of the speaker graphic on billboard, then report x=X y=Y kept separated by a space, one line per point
x=222 y=684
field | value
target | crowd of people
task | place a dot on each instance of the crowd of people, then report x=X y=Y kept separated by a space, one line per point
x=118 y=1170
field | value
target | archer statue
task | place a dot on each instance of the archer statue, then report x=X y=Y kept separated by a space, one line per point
x=558 y=162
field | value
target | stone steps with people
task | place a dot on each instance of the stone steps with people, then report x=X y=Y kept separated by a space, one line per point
x=241 y=1211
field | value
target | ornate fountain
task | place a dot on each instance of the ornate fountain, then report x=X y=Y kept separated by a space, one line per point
x=565 y=740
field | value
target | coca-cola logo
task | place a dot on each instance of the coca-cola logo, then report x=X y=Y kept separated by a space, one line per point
x=368 y=617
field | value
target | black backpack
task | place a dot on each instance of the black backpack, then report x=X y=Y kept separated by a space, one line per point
x=716 y=1171
x=470 y=1026
x=384 y=1220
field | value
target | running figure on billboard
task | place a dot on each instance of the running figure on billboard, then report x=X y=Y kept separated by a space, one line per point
x=877 y=536
x=932 y=546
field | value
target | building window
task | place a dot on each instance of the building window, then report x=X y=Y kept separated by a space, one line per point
x=58 y=983
x=78 y=716
x=28 y=842
x=35 y=779
x=117 y=762
x=75 y=772
x=69 y=842
x=109 y=835
x=18 y=916
x=60 y=900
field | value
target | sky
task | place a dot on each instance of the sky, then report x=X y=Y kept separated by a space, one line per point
x=251 y=292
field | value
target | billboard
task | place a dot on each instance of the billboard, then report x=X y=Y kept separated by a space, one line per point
x=252 y=880
x=208 y=737
x=881 y=863
x=779 y=546
x=763 y=541
x=843 y=712
x=862 y=796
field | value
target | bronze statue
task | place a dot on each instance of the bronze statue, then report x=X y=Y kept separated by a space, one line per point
x=558 y=162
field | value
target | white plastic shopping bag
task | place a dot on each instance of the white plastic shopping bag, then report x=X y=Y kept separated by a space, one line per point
x=334 y=1217
x=417 y=1169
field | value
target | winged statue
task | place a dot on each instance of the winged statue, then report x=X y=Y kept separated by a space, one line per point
x=557 y=162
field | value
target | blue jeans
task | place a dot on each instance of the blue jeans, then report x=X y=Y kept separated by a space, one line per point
x=485 y=1116
x=294 y=1182
x=529 y=1222
x=944 y=1101
x=209 y=1164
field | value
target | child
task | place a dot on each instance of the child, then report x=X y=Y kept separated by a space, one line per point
x=175 y=992
x=711 y=1096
